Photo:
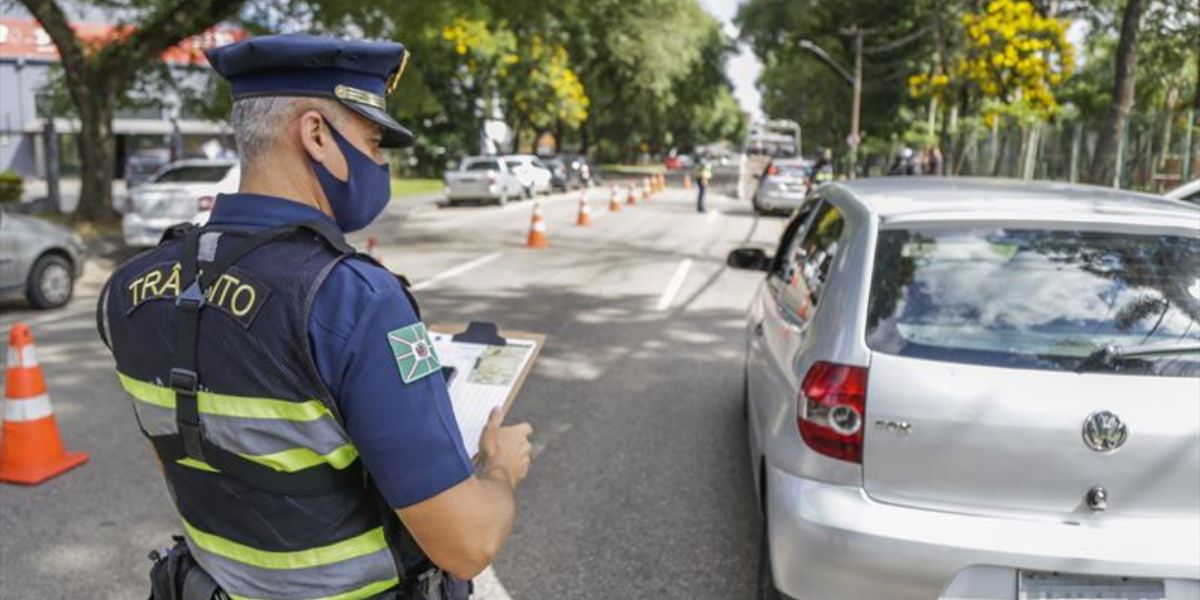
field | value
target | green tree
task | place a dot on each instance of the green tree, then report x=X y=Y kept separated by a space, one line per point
x=1104 y=160
x=97 y=74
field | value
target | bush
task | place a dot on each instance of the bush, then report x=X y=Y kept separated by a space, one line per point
x=11 y=187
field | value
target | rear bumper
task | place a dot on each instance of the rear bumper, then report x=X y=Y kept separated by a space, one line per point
x=832 y=542
x=491 y=193
x=140 y=232
x=778 y=200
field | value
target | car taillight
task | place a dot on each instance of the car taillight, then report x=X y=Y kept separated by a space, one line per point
x=491 y=177
x=205 y=203
x=772 y=170
x=831 y=408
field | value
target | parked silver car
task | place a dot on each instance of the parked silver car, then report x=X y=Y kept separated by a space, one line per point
x=783 y=186
x=483 y=178
x=977 y=389
x=38 y=259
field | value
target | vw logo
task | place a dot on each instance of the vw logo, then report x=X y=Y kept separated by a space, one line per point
x=1104 y=432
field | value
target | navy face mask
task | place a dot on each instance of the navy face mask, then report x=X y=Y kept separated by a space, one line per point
x=358 y=200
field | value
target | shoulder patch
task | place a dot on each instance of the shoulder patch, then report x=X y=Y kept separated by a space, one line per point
x=415 y=356
x=236 y=293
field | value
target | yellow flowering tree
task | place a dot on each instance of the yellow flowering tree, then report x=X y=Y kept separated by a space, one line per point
x=533 y=77
x=543 y=92
x=1015 y=58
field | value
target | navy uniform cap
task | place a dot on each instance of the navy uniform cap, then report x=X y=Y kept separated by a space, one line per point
x=356 y=73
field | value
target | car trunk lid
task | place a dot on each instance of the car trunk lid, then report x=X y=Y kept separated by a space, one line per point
x=987 y=439
x=154 y=202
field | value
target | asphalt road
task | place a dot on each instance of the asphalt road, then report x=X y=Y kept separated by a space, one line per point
x=640 y=486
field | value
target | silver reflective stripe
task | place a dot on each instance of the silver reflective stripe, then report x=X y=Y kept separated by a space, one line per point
x=255 y=437
x=207 y=252
x=155 y=420
x=371 y=573
x=104 y=317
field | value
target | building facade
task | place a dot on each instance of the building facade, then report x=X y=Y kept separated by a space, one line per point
x=29 y=66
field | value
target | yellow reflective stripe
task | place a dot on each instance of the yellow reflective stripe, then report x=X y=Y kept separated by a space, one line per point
x=148 y=392
x=260 y=408
x=366 y=591
x=297 y=459
x=359 y=545
x=224 y=405
x=196 y=464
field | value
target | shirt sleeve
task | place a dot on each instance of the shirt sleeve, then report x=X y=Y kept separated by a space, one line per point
x=405 y=431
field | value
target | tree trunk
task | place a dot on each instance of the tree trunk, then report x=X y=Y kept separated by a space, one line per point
x=1126 y=63
x=96 y=154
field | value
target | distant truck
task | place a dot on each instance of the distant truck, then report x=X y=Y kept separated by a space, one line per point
x=484 y=179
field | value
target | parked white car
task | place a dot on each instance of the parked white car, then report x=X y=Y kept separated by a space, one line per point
x=182 y=191
x=534 y=174
x=482 y=178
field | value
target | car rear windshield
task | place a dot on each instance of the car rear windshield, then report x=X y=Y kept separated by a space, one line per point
x=1038 y=299
x=792 y=170
x=483 y=165
x=194 y=174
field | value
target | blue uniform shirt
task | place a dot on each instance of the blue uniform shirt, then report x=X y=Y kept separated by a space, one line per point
x=405 y=432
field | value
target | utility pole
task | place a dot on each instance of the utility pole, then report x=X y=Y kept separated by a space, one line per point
x=854 y=116
x=855 y=82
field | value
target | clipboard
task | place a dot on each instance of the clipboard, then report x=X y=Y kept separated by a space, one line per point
x=485 y=368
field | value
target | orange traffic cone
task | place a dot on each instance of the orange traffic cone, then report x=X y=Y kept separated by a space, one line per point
x=537 y=229
x=614 y=200
x=662 y=182
x=631 y=199
x=31 y=450
x=687 y=181
x=585 y=211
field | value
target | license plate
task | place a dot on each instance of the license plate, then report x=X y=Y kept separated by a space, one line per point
x=1040 y=585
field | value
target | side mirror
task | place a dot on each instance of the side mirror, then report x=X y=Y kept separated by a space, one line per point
x=751 y=259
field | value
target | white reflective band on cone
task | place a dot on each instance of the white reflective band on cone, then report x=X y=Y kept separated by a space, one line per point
x=25 y=356
x=27 y=409
x=539 y=226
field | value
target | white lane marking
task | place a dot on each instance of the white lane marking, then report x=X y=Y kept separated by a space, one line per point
x=712 y=216
x=488 y=587
x=459 y=270
x=27 y=409
x=673 y=286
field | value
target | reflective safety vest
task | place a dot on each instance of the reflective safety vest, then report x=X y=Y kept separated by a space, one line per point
x=210 y=335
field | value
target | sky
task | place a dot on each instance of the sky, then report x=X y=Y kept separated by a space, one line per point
x=743 y=68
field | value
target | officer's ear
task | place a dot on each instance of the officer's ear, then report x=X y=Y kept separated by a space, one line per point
x=314 y=135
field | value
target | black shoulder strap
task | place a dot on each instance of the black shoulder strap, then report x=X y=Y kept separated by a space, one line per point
x=185 y=381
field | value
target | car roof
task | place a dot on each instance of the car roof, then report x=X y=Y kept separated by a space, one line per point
x=799 y=162
x=203 y=162
x=954 y=197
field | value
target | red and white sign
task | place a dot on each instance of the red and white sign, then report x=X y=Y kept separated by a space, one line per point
x=25 y=38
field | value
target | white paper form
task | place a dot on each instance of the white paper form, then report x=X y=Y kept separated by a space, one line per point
x=483 y=379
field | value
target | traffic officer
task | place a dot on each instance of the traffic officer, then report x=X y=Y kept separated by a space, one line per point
x=823 y=169
x=703 y=175
x=287 y=382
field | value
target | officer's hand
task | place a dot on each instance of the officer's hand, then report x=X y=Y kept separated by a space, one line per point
x=506 y=448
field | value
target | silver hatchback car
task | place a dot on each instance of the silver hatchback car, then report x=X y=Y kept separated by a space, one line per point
x=977 y=389
x=40 y=259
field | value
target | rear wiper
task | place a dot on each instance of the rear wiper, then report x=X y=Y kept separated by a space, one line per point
x=1107 y=355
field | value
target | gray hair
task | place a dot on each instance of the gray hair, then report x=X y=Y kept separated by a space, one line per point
x=259 y=122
